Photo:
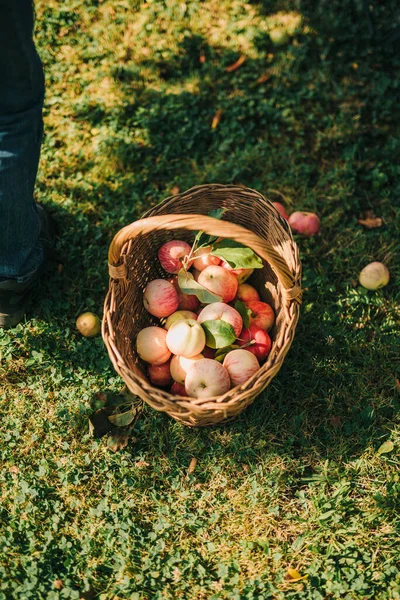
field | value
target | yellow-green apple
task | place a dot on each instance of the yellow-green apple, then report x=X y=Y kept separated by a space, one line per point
x=219 y=311
x=261 y=342
x=180 y=315
x=279 y=36
x=88 y=324
x=178 y=389
x=172 y=254
x=281 y=209
x=261 y=314
x=186 y=338
x=160 y=298
x=151 y=345
x=160 y=374
x=247 y=293
x=241 y=274
x=207 y=378
x=180 y=365
x=204 y=259
x=241 y=365
x=186 y=301
x=219 y=281
x=306 y=223
x=374 y=276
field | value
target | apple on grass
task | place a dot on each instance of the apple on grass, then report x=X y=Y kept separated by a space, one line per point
x=207 y=378
x=281 y=209
x=186 y=338
x=219 y=281
x=185 y=301
x=261 y=314
x=160 y=375
x=261 y=345
x=88 y=324
x=151 y=345
x=180 y=315
x=241 y=365
x=172 y=254
x=374 y=276
x=247 y=293
x=180 y=366
x=306 y=223
x=178 y=389
x=219 y=311
x=160 y=298
x=203 y=259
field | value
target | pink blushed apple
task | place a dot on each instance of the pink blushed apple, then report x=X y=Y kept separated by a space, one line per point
x=178 y=389
x=186 y=338
x=219 y=311
x=186 y=301
x=247 y=293
x=204 y=259
x=219 y=281
x=151 y=345
x=160 y=298
x=207 y=378
x=180 y=366
x=180 y=315
x=160 y=375
x=261 y=342
x=172 y=254
x=306 y=223
x=281 y=209
x=261 y=314
x=241 y=365
x=241 y=274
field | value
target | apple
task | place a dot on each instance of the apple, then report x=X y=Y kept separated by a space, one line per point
x=219 y=281
x=262 y=346
x=374 y=276
x=151 y=345
x=180 y=315
x=88 y=324
x=204 y=259
x=219 y=311
x=241 y=274
x=306 y=223
x=160 y=298
x=178 y=389
x=208 y=352
x=186 y=301
x=171 y=255
x=247 y=293
x=241 y=365
x=180 y=366
x=186 y=338
x=261 y=314
x=207 y=378
x=281 y=209
x=160 y=374
x=279 y=36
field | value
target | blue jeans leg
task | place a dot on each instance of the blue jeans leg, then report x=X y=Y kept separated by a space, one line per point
x=21 y=101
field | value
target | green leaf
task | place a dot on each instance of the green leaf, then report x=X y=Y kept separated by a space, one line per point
x=218 y=333
x=218 y=213
x=386 y=447
x=244 y=312
x=203 y=239
x=222 y=352
x=122 y=419
x=188 y=285
x=237 y=255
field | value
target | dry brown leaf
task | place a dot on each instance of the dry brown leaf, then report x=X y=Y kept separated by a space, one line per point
x=14 y=470
x=202 y=59
x=293 y=575
x=336 y=421
x=236 y=64
x=141 y=464
x=264 y=78
x=192 y=465
x=370 y=220
x=216 y=119
x=397 y=383
x=60 y=268
x=58 y=584
x=174 y=190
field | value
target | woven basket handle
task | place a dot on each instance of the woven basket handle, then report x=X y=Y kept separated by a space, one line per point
x=211 y=226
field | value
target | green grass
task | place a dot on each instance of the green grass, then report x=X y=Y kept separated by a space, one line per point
x=297 y=480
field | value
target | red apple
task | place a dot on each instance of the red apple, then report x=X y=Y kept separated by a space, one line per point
x=186 y=338
x=241 y=365
x=306 y=223
x=160 y=298
x=261 y=314
x=171 y=255
x=208 y=352
x=219 y=311
x=241 y=274
x=262 y=346
x=160 y=374
x=186 y=301
x=204 y=259
x=219 y=281
x=207 y=378
x=180 y=315
x=151 y=345
x=281 y=209
x=180 y=366
x=178 y=389
x=247 y=293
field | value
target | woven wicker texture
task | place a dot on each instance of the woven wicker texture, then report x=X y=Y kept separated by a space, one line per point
x=133 y=262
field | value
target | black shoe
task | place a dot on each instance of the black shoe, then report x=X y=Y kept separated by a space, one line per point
x=14 y=296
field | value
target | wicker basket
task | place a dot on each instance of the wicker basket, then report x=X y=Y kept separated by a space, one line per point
x=251 y=220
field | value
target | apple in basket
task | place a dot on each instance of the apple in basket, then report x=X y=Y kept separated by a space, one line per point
x=171 y=255
x=186 y=338
x=204 y=259
x=178 y=389
x=180 y=315
x=261 y=314
x=180 y=366
x=160 y=298
x=241 y=365
x=219 y=311
x=160 y=374
x=241 y=274
x=219 y=281
x=247 y=293
x=260 y=341
x=206 y=378
x=186 y=301
x=151 y=345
